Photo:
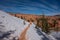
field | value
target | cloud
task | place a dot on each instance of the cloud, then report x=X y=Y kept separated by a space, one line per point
x=30 y=6
x=51 y=4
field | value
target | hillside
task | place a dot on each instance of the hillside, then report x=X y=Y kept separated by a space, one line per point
x=13 y=28
x=33 y=18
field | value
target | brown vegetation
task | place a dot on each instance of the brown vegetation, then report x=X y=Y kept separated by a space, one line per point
x=33 y=18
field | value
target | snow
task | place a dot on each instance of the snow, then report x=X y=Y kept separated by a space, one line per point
x=55 y=34
x=11 y=23
x=33 y=35
x=11 y=27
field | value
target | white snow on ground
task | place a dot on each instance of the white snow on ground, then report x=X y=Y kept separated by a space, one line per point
x=11 y=23
x=56 y=34
x=32 y=35
x=12 y=27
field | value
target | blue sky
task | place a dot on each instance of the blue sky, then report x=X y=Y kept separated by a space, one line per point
x=49 y=7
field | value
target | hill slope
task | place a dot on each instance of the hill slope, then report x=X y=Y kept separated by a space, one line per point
x=13 y=28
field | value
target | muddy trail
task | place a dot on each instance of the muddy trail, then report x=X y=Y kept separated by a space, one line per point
x=23 y=33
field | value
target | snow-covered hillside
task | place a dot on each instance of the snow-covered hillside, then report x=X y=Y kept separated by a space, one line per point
x=11 y=28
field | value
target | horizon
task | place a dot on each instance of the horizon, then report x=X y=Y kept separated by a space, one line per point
x=32 y=14
x=37 y=7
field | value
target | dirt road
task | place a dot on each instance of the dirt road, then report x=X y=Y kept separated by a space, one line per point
x=23 y=33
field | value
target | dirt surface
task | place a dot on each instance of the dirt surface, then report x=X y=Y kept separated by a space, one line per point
x=23 y=33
